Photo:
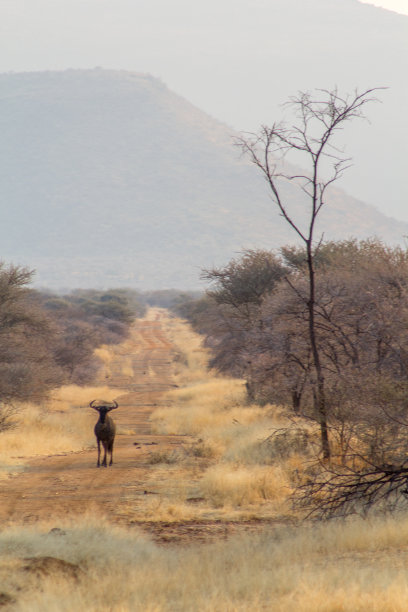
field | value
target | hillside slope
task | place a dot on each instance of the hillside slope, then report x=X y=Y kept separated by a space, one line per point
x=109 y=179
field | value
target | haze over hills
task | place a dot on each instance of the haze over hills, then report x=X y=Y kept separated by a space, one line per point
x=239 y=61
x=110 y=179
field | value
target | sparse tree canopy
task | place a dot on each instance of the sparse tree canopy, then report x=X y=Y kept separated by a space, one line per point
x=318 y=118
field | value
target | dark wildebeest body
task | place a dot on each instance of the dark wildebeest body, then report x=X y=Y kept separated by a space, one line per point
x=105 y=431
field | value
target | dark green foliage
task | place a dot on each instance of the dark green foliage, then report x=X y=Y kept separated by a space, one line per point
x=117 y=304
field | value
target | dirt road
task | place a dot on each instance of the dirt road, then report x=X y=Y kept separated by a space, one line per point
x=144 y=487
x=57 y=486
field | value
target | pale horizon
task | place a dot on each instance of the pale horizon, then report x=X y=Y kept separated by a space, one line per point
x=398 y=6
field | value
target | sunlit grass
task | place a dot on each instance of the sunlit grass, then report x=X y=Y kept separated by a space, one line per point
x=191 y=357
x=248 y=466
x=349 y=567
x=238 y=485
x=233 y=466
x=63 y=424
x=209 y=404
x=71 y=396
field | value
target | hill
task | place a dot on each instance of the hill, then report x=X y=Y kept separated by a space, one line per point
x=110 y=179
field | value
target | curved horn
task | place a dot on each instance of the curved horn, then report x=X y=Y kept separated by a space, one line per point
x=91 y=405
x=116 y=405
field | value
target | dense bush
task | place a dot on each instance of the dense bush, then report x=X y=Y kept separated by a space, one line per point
x=361 y=319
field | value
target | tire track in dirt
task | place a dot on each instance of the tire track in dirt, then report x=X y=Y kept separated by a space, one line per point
x=70 y=484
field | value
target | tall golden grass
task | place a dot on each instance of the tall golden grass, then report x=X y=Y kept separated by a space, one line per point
x=357 y=566
x=243 y=471
x=190 y=364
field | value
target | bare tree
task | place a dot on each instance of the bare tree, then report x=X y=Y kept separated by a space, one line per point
x=319 y=118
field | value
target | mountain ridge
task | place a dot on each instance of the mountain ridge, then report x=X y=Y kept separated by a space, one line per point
x=111 y=179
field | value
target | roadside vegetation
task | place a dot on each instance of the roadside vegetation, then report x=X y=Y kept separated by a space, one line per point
x=258 y=331
x=49 y=340
x=51 y=351
x=241 y=460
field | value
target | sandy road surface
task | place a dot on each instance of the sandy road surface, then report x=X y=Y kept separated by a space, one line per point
x=136 y=490
x=57 y=486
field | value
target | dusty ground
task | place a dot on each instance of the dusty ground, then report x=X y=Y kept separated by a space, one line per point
x=136 y=488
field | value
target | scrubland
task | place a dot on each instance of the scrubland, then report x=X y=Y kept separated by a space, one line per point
x=63 y=424
x=241 y=465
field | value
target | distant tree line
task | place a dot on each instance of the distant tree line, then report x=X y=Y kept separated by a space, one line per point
x=47 y=340
x=255 y=321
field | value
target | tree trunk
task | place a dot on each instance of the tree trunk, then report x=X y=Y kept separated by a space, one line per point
x=250 y=389
x=320 y=397
x=296 y=397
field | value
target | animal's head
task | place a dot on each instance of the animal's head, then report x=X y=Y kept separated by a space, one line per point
x=103 y=407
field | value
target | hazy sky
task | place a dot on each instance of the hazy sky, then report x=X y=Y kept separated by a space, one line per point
x=199 y=49
x=399 y=6
x=218 y=54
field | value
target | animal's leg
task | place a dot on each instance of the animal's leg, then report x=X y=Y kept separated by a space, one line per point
x=104 y=456
x=99 y=453
x=111 y=452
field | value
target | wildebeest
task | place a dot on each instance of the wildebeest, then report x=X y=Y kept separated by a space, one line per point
x=105 y=429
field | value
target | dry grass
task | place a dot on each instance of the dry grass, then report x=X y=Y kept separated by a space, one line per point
x=72 y=396
x=243 y=468
x=191 y=357
x=193 y=409
x=349 y=567
x=238 y=485
x=251 y=455
x=61 y=425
